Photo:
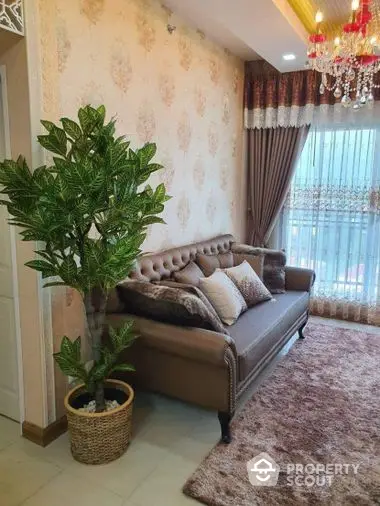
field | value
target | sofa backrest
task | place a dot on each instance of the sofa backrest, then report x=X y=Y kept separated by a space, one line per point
x=162 y=265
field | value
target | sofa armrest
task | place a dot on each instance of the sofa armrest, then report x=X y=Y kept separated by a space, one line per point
x=297 y=278
x=192 y=343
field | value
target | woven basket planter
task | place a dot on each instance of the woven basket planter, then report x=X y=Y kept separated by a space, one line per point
x=98 y=438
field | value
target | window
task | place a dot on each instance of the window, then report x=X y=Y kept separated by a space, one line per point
x=331 y=219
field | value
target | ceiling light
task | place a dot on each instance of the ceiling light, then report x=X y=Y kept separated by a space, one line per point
x=350 y=63
x=289 y=56
x=319 y=17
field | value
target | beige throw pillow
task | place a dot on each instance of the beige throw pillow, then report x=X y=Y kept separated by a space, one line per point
x=249 y=284
x=224 y=296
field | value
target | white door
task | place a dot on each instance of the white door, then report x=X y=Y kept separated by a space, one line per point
x=9 y=388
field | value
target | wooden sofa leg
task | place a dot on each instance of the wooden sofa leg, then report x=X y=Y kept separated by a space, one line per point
x=224 y=420
x=300 y=330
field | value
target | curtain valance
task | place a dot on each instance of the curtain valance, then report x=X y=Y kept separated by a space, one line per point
x=290 y=99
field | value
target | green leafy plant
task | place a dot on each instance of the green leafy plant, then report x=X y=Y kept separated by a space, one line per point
x=88 y=211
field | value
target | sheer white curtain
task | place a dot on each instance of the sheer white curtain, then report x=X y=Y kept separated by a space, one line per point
x=331 y=219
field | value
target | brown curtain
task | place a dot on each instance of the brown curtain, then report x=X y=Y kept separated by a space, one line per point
x=272 y=157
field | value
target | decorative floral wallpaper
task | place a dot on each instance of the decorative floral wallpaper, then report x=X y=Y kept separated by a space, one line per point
x=181 y=91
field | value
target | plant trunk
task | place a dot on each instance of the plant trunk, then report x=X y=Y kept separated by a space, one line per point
x=100 y=400
x=95 y=304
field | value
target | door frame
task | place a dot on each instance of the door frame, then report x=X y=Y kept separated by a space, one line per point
x=16 y=303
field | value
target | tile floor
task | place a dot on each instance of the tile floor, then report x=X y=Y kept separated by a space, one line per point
x=170 y=440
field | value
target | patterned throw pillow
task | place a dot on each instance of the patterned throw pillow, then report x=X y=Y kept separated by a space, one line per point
x=274 y=265
x=249 y=284
x=182 y=305
x=224 y=296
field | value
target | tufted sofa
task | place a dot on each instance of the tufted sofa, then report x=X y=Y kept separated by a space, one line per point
x=163 y=265
x=202 y=366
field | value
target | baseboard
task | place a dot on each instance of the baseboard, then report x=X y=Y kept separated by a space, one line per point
x=44 y=436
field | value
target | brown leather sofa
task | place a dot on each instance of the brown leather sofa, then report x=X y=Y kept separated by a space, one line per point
x=205 y=367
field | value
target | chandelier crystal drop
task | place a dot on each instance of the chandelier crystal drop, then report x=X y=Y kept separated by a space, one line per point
x=349 y=62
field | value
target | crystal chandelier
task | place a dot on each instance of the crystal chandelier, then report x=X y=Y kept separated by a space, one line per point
x=349 y=62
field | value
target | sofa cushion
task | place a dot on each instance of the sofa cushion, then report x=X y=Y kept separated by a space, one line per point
x=224 y=296
x=255 y=261
x=209 y=263
x=274 y=271
x=262 y=328
x=274 y=265
x=248 y=283
x=226 y=260
x=185 y=306
x=190 y=275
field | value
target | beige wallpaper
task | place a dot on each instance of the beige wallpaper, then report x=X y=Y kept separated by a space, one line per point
x=181 y=91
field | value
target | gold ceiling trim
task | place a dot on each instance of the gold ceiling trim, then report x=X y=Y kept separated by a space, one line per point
x=306 y=10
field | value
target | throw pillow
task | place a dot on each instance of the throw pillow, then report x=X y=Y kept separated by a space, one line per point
x=226 y=260
x=255 y=261
x=224 y=296
x=189 y=275
x=209 y=263
x=186 y=306
x=249 y=284
x=274 y=271
x=274 y=265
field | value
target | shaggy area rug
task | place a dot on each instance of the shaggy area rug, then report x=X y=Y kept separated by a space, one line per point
x=318 y=409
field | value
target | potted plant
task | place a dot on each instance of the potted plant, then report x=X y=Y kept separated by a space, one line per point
x=88 y=211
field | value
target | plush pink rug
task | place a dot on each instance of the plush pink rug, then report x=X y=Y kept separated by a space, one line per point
x=321 y=407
